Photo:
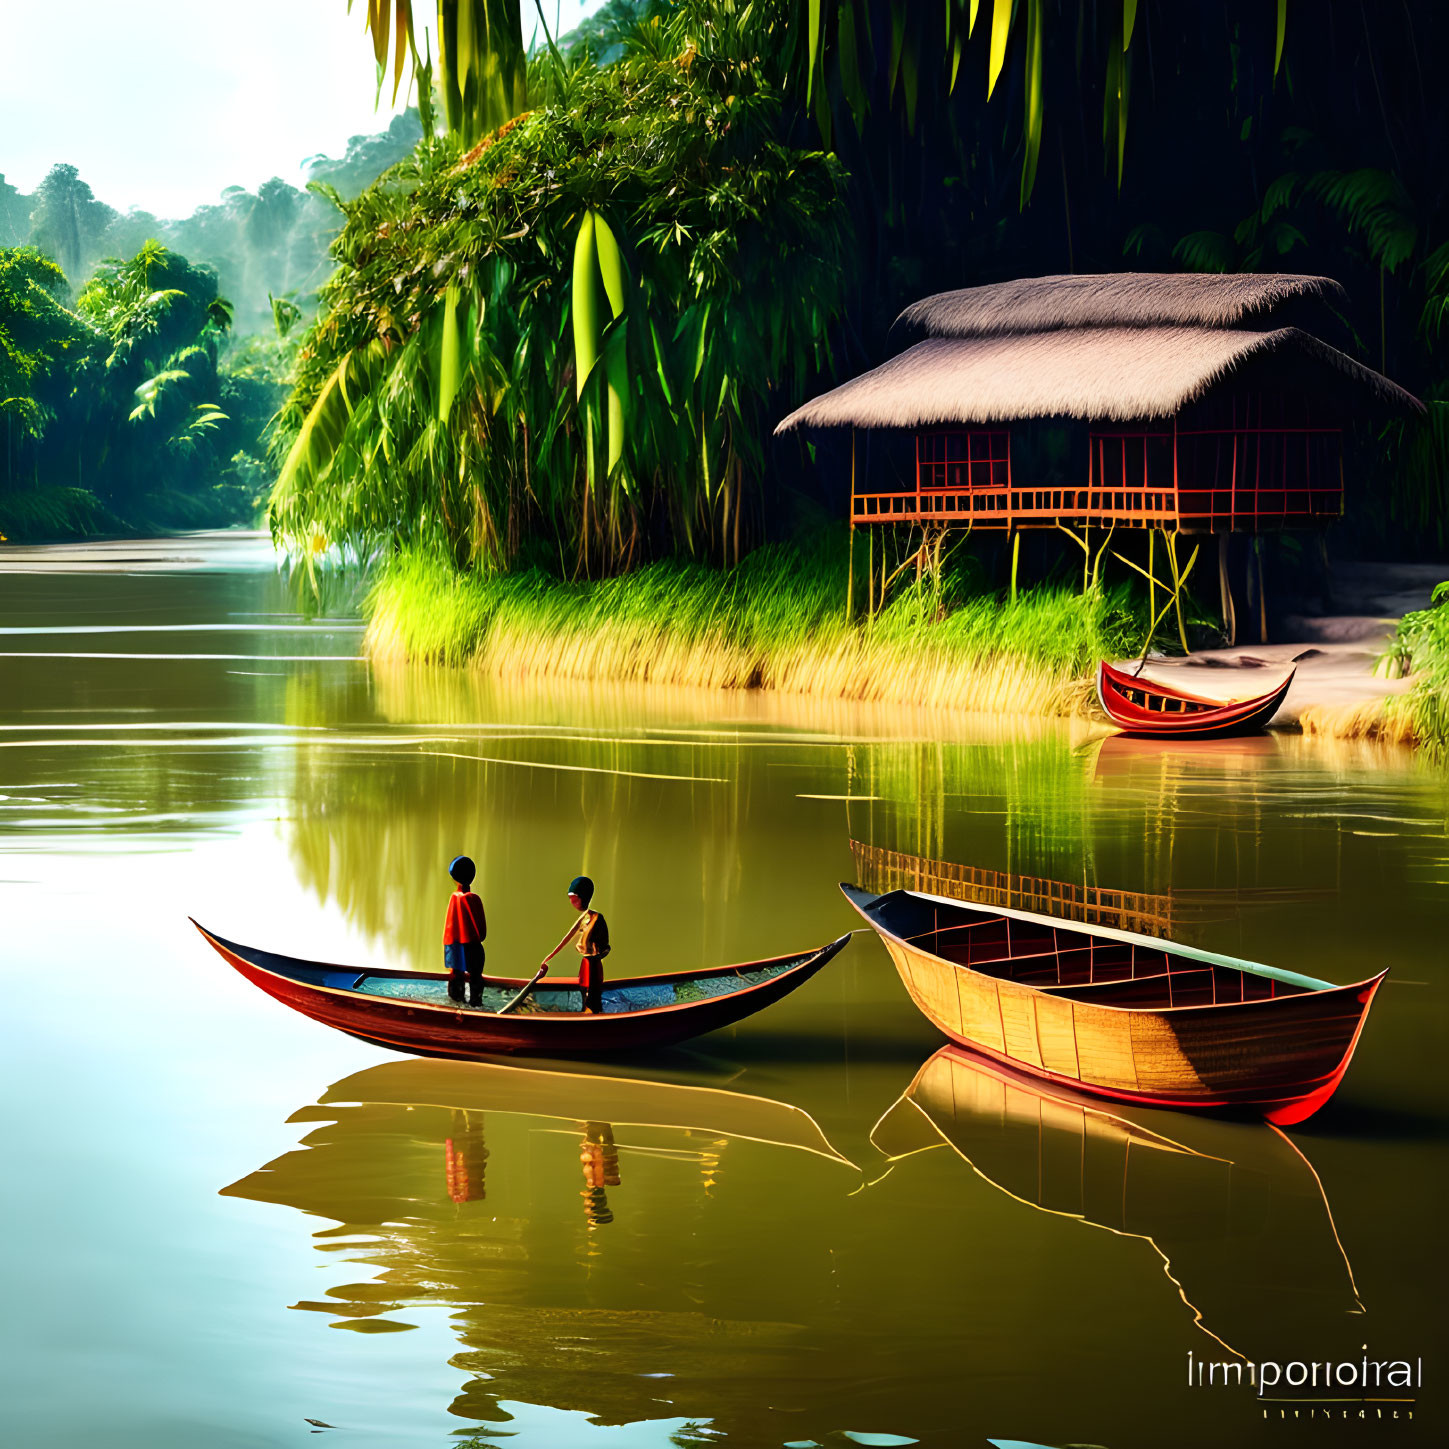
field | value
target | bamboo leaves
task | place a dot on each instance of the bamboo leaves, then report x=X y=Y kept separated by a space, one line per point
x=482 y=62
x=1034 y=98
x=1001 y=14
x=585 y=304
x=448 y=367
x=599 y=266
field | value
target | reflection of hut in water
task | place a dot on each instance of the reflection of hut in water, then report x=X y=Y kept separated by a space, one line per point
x=1235 y=1210
x=881 y=870
x=1170 y=915
x=1182 y=403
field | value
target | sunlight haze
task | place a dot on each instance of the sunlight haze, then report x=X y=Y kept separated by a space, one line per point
x=163 y=108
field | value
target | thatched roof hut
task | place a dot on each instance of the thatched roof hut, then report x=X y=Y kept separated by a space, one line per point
x=1207 y=407
x=1123 y=299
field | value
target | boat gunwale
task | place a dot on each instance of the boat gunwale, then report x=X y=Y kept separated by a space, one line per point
x=1314 y=986
x=462 y=1012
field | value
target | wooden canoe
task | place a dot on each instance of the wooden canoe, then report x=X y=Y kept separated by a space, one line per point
x=409 y=1011
x=1120 y=1015
x=1141 y=706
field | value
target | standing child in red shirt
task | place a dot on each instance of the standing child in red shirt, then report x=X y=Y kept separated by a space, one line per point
x=464 y=932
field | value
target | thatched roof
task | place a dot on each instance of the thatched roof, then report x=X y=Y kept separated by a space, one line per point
x=1119 y=373
x=1118 y=299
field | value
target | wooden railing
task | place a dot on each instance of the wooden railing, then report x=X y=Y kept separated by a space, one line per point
x=1019 y=507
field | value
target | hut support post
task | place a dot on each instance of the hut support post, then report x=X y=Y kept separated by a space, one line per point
x=850 y=553
x=1262 y=597
x=1015 y=559
x=1225 y=589
x=1179 y=579
x=1151 y=578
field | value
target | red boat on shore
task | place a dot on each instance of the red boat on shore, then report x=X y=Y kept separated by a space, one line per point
x=1145 y=707
x=410 y=1011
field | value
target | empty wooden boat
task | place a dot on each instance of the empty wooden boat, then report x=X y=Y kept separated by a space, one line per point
x=409 y=1011
x=1141 y=706
x=1121 y=1015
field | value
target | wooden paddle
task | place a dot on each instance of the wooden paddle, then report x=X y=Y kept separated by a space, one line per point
x=568 y=936
x=509 y=1005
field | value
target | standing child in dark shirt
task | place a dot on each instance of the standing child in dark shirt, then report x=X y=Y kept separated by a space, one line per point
x=464 y=932
x=592 y=933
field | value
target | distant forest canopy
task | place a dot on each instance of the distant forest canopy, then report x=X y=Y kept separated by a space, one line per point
x=142 y=360
x=560 y=335
x=268 y=243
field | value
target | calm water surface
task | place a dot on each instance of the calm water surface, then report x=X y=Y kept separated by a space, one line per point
x=225 y=1225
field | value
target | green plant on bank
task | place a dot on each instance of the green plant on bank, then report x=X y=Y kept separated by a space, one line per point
x=563 y=346
x=774 y=621
x=1421 y=646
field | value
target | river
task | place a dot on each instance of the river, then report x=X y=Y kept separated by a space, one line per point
x=228 y=1226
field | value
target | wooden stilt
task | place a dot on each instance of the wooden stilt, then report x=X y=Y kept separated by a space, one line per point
x=1015 y=559
x=1177 y=578
x=1151 y=580
x=850 y=564
x=1262 y=596
x=1225 y=589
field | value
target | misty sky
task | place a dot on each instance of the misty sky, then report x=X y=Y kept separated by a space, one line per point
x=162 y=105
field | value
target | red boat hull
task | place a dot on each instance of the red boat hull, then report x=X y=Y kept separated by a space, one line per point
x=1149 y=709
x=422 y=1029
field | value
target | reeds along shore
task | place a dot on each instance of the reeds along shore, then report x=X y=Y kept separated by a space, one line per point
x=776 y=622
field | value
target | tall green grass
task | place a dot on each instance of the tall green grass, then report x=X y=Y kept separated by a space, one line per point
x=776 y=621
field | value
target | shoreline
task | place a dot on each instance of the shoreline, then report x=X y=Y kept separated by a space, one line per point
x=1339 y=690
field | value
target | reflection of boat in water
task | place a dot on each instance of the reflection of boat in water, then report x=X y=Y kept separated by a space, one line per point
x=1236 y=1211
x=1118 y=1014
x=1127 y=755
x=409 y=1011
x=582 y=1232
x=1148 y=707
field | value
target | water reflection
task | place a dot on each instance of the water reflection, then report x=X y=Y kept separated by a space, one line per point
x=1234 y=1208
x=1173 y=915
x=460 y=1186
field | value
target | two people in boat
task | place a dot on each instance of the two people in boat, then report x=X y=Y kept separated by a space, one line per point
x=466 y=928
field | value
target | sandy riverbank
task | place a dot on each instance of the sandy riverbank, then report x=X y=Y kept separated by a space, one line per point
x=1337 y=689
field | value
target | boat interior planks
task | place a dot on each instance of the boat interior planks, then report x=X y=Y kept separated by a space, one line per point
x=1121 y=1015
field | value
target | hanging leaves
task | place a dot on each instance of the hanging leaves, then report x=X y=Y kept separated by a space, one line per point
x=1034 y=98
x=1001 y=13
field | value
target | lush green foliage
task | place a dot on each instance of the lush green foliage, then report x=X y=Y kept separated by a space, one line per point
x=1421 y=645
x=119 y=399
x=271 y=242
x=648 y=219
x=778 y=619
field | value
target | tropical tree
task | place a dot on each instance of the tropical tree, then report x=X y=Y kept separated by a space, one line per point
x=67 y=221
x=14 y=214
x=564 y=343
